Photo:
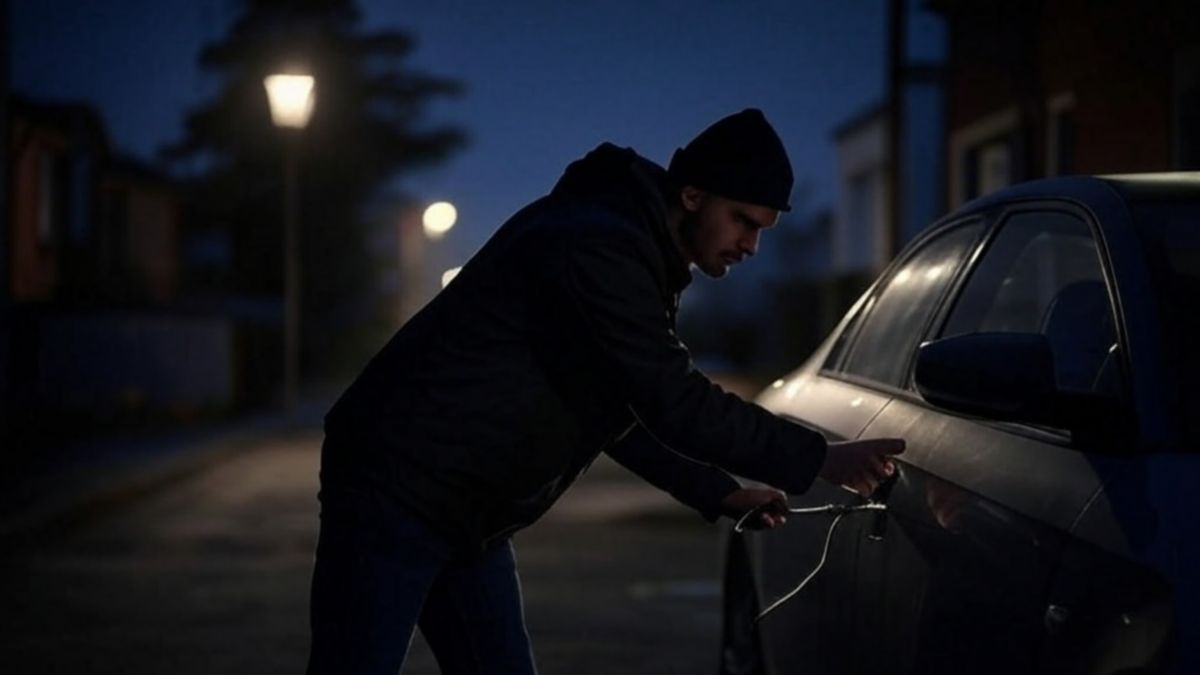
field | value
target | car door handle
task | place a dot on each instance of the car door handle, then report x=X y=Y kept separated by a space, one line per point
x=880 y=496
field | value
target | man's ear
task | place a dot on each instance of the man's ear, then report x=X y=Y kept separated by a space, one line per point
x=691 y=198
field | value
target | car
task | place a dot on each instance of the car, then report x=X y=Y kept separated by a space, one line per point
x=1035 y=351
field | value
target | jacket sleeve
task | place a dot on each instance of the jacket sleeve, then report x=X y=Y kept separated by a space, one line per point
x=609 y=280
x=698 y=486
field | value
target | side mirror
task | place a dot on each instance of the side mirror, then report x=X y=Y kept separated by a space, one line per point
x=1011 y=377
x=1005 y=376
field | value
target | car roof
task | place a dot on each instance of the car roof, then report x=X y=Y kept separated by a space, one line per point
x=1135 y=187
x=1181 y=186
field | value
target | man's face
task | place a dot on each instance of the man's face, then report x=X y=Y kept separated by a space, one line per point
x=718 y=233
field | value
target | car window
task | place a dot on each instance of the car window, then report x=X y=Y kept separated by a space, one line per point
x=894 y=319
x=843 y=338
x=1042 y=274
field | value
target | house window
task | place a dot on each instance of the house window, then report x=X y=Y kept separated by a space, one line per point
x=985 y=155
x=995 y=168
x=1060 y=135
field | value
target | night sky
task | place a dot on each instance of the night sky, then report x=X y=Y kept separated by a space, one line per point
x=545 y=80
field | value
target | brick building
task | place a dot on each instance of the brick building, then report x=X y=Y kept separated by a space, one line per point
x=1048 y=87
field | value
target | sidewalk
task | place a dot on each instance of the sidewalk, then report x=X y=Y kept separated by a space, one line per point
x=69 y=483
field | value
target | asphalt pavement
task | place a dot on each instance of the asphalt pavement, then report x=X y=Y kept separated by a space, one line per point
x=205 y=567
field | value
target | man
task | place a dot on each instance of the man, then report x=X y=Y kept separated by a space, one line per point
x=556 y=342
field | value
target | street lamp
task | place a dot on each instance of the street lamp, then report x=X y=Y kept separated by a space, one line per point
x=291 y=98
x=439 y=217
x=449 y=275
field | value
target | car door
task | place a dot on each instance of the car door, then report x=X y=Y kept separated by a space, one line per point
x=847 y=383
x=1126 y=598
x=955 y=578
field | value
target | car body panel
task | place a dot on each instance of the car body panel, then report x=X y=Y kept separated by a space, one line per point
x=807 y=635
x=840 y=411
x=1038 y=478
x=1131 y=569
x=977 y=522
x=951 y=572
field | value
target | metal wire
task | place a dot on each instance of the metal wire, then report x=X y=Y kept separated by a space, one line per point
x=840 y=510
x=836 y=509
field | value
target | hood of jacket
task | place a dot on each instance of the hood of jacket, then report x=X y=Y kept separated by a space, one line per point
x=621 y=179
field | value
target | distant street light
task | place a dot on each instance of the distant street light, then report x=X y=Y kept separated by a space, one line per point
x=449 y=275
x=438 y=219
x=291 y=97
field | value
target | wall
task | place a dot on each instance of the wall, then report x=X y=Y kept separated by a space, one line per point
x=113 y=362
x=860 y=218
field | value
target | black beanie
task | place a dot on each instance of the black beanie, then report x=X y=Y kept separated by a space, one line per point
x=739 y=157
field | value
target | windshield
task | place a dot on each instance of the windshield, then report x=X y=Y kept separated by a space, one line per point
x=1171 y=236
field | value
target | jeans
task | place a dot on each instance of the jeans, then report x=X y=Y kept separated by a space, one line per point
x=380 y=572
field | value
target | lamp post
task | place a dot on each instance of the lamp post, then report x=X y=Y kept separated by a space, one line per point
x=291 y=98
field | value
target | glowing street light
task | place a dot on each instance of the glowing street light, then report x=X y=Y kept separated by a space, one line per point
x=449 y=275
x=291 y=98
x=438 y=219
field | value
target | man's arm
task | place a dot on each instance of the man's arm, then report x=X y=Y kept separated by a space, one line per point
x=610 y=293
x=702 y=487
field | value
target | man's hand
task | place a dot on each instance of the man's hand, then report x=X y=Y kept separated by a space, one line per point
x=773 y=502
x=861 y=465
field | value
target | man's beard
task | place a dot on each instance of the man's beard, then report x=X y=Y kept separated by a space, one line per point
x=689 y=236
x=689 y=227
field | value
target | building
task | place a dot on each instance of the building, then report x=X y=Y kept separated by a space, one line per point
x=1043 y=88
x=94 y=276
x=861 y=215
x=889 y=154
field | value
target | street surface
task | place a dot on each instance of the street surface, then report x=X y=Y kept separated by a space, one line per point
x=210 y=575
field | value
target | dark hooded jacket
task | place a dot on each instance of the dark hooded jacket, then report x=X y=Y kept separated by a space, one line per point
x=554 y=343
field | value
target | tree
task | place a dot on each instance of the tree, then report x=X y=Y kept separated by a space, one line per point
x=366 y=129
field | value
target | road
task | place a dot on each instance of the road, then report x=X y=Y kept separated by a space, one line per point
x=211 y=575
